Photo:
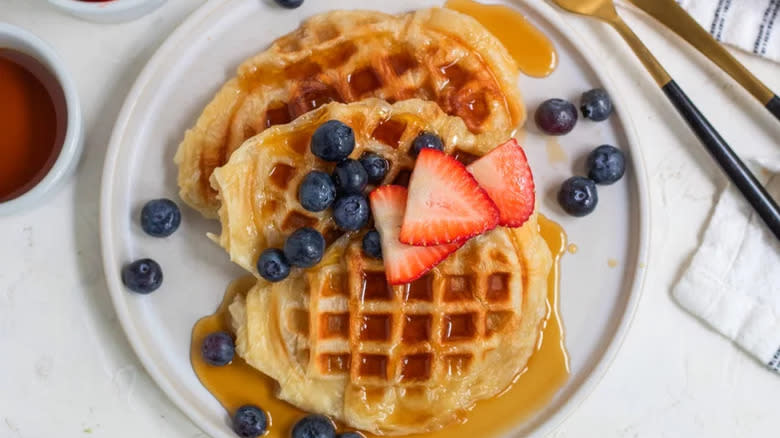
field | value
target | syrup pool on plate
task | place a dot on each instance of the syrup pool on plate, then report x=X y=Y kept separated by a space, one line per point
x=238 y=383
x=533 y=52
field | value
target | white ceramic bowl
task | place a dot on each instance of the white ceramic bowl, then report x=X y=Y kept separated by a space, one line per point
x=20 y=40
x=113 y=11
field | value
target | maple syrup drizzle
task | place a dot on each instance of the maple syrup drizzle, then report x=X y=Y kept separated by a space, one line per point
x=555 y=153
x=238 y=383
x=533 y=52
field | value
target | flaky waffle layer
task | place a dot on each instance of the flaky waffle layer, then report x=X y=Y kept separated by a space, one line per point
x=404 y=359
x=258 y=187
x=345 y=56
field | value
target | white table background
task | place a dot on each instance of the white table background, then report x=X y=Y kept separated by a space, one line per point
x=66 y=369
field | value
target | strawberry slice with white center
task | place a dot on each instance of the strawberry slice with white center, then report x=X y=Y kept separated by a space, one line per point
x=403 y=263
x=505 y=175
x=445 y=204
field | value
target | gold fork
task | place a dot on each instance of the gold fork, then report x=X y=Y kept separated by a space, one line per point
x=736 y=170
x=673 y=16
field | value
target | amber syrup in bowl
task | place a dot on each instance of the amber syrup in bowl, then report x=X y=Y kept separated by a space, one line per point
x=40 y=120
x=31 y=120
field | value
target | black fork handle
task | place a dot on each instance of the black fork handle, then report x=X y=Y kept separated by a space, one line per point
x=736 y=170
x=774 y=106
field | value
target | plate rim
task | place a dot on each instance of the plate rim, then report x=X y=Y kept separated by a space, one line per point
x=118 y=293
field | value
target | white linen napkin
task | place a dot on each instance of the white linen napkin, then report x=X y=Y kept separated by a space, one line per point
x=733 y=281
x=751 y=25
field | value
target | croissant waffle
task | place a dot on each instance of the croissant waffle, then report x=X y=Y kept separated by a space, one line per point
x=259 y=185
x=402 y=359
x=345 y=56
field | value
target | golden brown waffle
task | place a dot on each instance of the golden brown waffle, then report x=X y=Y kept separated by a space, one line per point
x=345 y=56
x=404 y=359
x=259 y=185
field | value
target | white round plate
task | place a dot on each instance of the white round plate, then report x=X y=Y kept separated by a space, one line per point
x=600 y=283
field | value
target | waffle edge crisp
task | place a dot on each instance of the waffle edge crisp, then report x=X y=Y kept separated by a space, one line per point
x=390 y=360
x=258 y=186
x=404 y=359
x=434 y=54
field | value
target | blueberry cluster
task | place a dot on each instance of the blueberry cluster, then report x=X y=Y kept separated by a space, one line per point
x=251 y=422
x=558 y=116
x=342 y=191
x=159 y=218
x=605 y=165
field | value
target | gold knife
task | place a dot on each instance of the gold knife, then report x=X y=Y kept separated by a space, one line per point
x=673 y=16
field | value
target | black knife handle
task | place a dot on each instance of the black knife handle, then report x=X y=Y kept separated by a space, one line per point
x=774 y=106
x=736 y=170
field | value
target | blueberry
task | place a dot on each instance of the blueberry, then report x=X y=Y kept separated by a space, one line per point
x=273 y=265
x=372 y=244
x=304 y=247
x=314 y=426
x=350 y=176
x=160 y=217
x=606 y=164
x=333 y=141
x=317 y=191
x=578 y=196
x=143 y=276
x=350 y=435
x=218 y=349
x=351 y=212
x=250 y=421
x=289 y=4
x=427 y=140
x=376 y=167
x=556 y=116
x=596 y=105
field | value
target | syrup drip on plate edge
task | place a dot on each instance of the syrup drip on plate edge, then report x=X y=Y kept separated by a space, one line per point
x=533 y=52
x=238 y=383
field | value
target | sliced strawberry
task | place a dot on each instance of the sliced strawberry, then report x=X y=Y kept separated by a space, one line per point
x=445 y=203
x=505 y=175
x=403 y=263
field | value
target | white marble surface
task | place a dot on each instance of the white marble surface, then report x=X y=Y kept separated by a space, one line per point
x=66 y=369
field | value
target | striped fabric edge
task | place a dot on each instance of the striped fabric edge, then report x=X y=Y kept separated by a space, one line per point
x=766 y=27
x=774 y=364
x=718 y=17
x=719 y=20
